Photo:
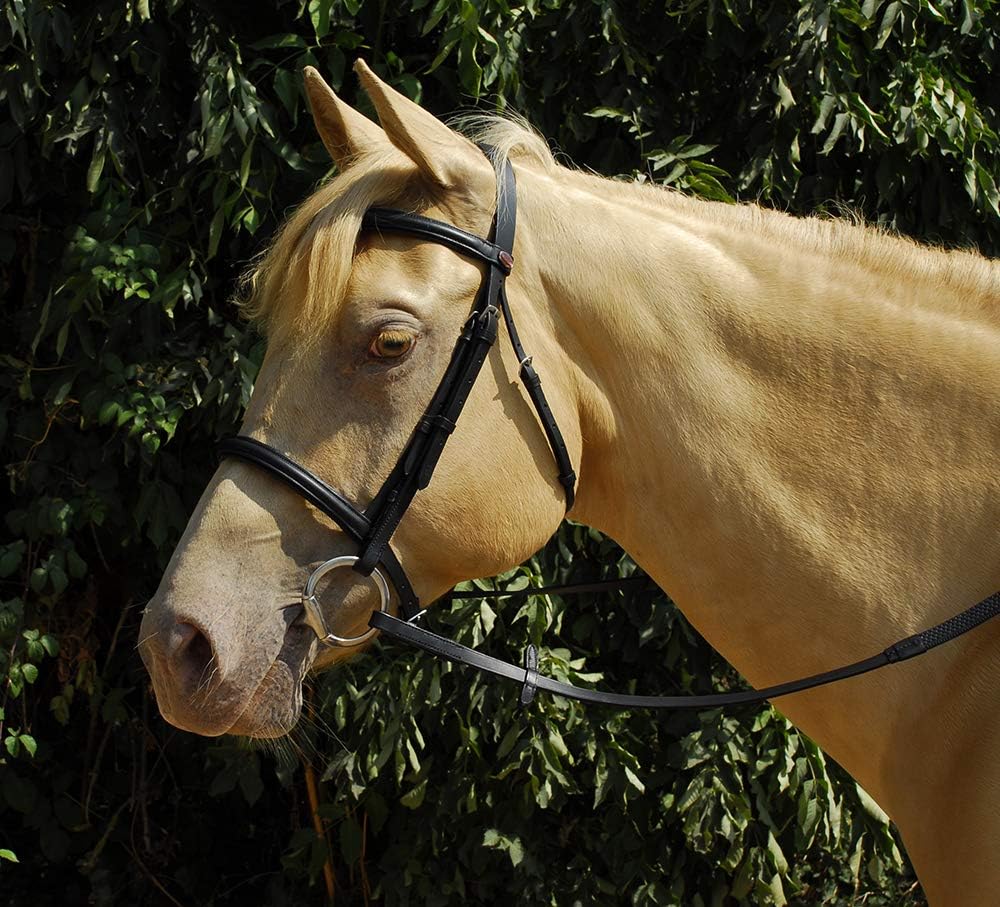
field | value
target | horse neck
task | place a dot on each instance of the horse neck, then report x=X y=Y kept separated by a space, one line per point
x=791 y=425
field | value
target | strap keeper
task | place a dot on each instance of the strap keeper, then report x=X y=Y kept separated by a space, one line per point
x=528 y=374
x=906 y=648
x=530 y=675
x=486 y=325
x=439 y=421
x=568 y=482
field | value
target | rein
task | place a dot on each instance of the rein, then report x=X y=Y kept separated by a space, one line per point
x=372 y=529
x=531 y=680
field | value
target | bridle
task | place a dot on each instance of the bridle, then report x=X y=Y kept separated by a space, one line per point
x=372 y=529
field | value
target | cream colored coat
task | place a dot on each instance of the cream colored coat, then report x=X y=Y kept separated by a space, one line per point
x=792 y=425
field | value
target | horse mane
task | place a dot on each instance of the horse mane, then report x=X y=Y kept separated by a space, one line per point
x=294 y=287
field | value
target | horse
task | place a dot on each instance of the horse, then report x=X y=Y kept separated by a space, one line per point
x=791 y=424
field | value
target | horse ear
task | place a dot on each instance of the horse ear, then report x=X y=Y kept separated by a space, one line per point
x=449 y=159
x=345 y=132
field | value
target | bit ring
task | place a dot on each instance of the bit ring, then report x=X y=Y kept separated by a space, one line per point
x=313 y=613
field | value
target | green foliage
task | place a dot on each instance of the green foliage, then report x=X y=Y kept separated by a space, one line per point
x=566 y=804
x=149 y=150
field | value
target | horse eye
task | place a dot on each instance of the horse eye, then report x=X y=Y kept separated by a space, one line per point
x=391 y=344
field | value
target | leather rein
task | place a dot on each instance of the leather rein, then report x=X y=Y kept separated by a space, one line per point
x=372 y=529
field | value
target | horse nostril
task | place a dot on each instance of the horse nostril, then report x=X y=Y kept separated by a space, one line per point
x=190 y=652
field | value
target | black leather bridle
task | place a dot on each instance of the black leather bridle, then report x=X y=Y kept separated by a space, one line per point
x=372 y=529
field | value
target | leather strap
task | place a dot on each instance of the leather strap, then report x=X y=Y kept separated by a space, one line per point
x=499 y=255
x=531 y=680
x=415 y=466
x=533 y=384
x=503 y=232
x=389 y=220
x=326 y=499
x=600 y=585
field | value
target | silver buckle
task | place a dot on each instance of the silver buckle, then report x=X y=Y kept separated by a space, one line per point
x=313 y=615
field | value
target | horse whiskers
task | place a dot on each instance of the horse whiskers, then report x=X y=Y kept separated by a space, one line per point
x=205 y=683
x=312 y=717
x=146 y=639
x=300 y=744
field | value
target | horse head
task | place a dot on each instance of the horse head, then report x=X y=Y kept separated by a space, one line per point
x=361 y=326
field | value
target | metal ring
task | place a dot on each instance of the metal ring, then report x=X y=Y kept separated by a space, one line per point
x=313 y=613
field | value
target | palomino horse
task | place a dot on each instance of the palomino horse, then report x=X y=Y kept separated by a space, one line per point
x=792 y=425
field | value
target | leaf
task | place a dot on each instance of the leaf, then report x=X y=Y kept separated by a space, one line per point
x=609 y=113
x=634 y=780
x=435 y=16
x=870 y=806
x=509 y=739
x=487 y=618
x=10 y=560
x=107 y=412
x=785 y=98
x=251 y=785
x=350 y=841
x=825 y=109
x=855 y=861
x=889 y=18
x=443 y=53
x=839 y=122
x=61 y=338
x=215 y=232
x=780 y=863
x=469 y=70
x=319 y=15
x=777 y=891
x=216 y=134
x=96 y=166
x=988 y=186
x=6 y=854
x=76 y=564
x=413 y=798
x=278 y=41
x=742 y=883
x=58 y=579
x=286 y=86
x=39 y=576
x=245 y=163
